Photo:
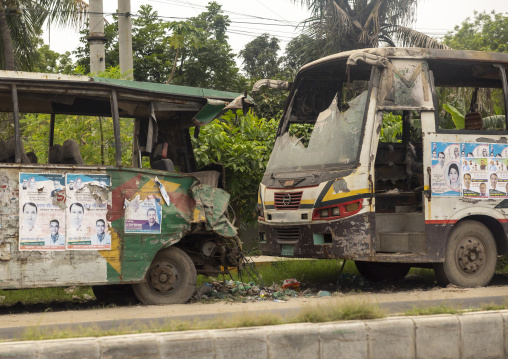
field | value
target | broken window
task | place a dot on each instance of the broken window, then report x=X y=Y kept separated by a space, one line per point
x=469 y=96
x=333 y=142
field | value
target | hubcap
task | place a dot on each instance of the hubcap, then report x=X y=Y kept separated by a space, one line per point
x=470 y=255
x=162 y=278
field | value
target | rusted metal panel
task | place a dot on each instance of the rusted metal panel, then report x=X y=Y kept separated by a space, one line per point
x=130 y=254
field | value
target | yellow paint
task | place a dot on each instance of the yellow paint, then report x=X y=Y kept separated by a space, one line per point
x=151 y=189
x=426 y=188
x=198 y=216
x=270 y=203
x=307 y=201
x=113 y=256
x=259 y=197
x=330 y=196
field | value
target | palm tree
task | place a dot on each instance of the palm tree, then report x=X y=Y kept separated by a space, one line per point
x=21 y=23
x=342 y=25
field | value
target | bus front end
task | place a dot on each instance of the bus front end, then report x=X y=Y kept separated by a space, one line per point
x=315 y=199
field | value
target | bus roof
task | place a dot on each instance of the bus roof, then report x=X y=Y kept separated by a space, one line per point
x=417 y=53
x=75 y=94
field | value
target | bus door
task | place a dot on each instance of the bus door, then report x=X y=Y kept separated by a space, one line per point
x=401 y=182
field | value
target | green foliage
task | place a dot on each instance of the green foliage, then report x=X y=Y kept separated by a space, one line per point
x=260 y=57
x=391 y=129
x=92 y=133
x=243 y=144
x=457 y=116
x=485 y=32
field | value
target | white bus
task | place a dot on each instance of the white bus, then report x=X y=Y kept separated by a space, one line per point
x=393 y=158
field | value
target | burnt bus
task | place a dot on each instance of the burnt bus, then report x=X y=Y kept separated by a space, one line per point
x=393 y=158
x=154 y=224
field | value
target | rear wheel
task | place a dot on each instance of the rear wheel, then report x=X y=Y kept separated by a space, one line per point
x=377 y=271
x=470 y=257
x=171 y=279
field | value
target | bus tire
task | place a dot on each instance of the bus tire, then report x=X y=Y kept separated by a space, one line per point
x=377 y=271
x=170 y=279
x=470 y=256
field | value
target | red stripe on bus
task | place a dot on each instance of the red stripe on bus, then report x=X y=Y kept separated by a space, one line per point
x=444 y=221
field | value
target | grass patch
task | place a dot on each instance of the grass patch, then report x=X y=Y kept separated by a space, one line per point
x=319 y=314
x=307 y=272
x=338 y=312
x=44 y=295
x=438 y=309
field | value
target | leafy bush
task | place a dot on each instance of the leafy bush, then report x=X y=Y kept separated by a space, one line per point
x=243 y=143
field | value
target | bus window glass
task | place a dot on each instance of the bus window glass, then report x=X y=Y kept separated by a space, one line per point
x=334 y=140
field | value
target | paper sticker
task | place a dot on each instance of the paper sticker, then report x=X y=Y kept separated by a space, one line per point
x=87 y=206
x=41 y=212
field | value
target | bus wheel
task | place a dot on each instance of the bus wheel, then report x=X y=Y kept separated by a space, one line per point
x=171 y=279
x=377 y=271
x=470 y=257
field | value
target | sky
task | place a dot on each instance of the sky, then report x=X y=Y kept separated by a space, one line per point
x=279 y=18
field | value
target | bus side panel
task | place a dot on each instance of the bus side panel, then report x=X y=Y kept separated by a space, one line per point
x=137 y=250
x=25 y=269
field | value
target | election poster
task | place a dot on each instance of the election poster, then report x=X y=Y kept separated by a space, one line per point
x=498 y=171
x=475 y=172
x=41 y=212
x=143 y=216
x=87 y=202
x=445 y=169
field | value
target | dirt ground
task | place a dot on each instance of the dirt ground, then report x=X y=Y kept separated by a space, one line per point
x=407 y=291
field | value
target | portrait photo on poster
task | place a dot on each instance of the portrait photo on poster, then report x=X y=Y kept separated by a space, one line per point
x=446 y=169
x=143 y=216
x=88 y=196
x=41 y=212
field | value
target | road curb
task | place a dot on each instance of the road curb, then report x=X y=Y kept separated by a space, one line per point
x=470 y=335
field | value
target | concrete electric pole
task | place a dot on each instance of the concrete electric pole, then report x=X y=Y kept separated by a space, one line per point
x=96 y=38
x=125 y=37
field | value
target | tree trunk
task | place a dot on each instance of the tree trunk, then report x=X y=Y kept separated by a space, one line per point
x=174 y=66
x=6 y=40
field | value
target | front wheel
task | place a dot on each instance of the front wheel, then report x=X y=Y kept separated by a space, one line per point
x=377 y=271
x=171 y=279
x=470 y=257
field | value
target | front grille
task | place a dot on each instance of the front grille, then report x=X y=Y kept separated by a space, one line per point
x=290 y=234
x=287 y=200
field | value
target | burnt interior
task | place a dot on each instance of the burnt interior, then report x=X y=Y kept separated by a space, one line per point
x=173 y=116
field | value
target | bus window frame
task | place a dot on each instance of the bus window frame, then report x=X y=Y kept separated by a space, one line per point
x=472 y=132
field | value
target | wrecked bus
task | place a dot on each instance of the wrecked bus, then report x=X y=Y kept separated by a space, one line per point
x=393 y=158
x=66 y=222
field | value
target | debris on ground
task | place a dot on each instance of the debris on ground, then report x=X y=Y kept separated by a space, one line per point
x=251 y=291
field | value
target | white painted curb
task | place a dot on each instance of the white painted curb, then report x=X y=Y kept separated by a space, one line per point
x=471 y=335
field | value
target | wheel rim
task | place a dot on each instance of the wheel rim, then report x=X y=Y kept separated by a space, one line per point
x=470 y=255
x=164 y=278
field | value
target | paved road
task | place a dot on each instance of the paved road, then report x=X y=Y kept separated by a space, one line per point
x=137 y=316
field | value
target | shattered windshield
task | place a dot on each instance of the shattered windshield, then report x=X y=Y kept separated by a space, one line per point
x=333 y=143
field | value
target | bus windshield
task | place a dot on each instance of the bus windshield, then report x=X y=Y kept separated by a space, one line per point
x=330 y=141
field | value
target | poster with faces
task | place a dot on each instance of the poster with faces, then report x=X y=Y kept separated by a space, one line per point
x=41 y=212
x=446 y=169
x=86 y=209
x=498 y=171
x=475 y=173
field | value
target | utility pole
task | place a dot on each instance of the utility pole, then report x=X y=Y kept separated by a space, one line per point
x=96 y=39
x=125 y=37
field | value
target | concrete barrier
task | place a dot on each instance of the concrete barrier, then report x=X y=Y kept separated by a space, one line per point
x=471 y=335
